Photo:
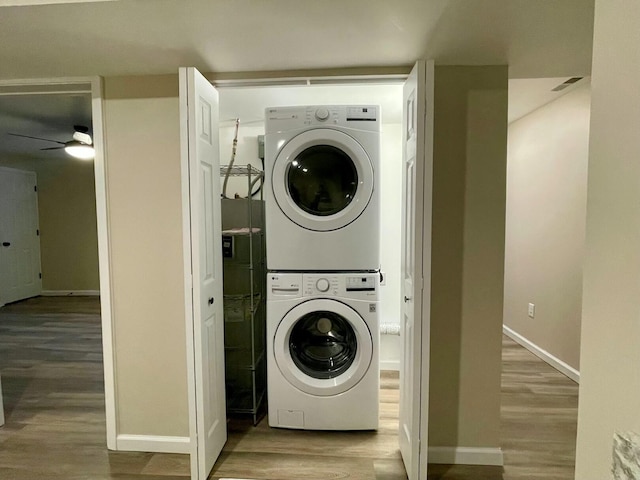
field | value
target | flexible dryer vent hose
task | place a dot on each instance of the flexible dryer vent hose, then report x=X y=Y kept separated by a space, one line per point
x=233 y=158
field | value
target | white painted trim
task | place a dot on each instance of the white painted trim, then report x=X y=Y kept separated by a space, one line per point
x=466 y=456
x=153 y=443
x=393 y=365
x=46 y=86
x=541 y=353
x=70 y=293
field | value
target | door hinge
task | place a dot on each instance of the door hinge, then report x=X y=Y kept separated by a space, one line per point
x=40 y=275
x=38 y=232
x=35 y=188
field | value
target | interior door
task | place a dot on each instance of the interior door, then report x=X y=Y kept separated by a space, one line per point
x=19 y=236
x=416 y=267
x=203 y=266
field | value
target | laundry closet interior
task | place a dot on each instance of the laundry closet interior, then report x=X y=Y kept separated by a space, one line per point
x=246 y=283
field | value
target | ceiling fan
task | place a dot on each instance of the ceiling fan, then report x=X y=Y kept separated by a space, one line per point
x=81 y=145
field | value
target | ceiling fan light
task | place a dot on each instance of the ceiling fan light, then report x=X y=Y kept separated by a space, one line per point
x=80 y=150
x=82 y=137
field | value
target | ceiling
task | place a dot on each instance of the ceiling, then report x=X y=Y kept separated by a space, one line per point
x=544 y=42
x=536 y=38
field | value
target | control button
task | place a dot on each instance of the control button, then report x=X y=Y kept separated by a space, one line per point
x=322 y=284
x=322 y=114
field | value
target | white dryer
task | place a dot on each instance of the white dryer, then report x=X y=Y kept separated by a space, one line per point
x=321 y=192
x=322 y=351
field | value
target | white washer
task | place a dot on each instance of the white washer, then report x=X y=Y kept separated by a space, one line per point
x=322 y=206
x=322 y=351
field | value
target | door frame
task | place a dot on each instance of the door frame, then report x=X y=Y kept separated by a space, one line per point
x=95 y=86
x=317 y=78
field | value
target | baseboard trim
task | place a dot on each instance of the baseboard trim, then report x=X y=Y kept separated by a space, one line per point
x=541 y=353
x=390 y=365
x=466 y=456
x=153 y=443
x=70 y=293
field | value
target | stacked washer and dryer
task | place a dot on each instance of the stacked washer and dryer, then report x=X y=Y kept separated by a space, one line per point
x=322 y=224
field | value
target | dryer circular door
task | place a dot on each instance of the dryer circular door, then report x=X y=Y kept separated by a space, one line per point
x=322 y=179
x=323 y=347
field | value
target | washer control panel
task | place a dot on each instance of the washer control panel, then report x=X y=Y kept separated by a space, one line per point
x=342 y=285
x=321 y=284
x=284 y=285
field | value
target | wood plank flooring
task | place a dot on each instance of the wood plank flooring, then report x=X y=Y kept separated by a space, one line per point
x=50 y=361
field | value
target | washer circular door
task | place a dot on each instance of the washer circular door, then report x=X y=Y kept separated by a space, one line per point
x=322 y=179
x=323 y=347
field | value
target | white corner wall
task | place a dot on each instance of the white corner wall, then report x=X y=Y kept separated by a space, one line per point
x=545 y=223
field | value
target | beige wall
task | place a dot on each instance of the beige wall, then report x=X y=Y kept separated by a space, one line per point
x=469 y=182
x=546 y=209
x=143 y=180
x=67 y=211
x=142 y=133
x=610 y=350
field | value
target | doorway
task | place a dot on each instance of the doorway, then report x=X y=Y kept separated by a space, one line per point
x=248 y=104
x=73 y=101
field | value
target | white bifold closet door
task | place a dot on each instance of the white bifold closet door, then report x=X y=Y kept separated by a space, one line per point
x=203 y=269
x=416 y=267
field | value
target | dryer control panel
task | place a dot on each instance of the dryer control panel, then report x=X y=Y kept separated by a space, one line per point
x=361 y=117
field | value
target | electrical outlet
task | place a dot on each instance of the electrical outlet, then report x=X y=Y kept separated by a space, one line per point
x=532 y=310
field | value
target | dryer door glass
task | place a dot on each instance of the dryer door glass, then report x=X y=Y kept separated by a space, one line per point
x=323 y=344
x=322 y=180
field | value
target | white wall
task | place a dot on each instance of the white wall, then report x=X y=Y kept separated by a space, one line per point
x=546 y=210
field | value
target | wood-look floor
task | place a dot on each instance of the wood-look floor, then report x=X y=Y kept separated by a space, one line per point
x=50 y=362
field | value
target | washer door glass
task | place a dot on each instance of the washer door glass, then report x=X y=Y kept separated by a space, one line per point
x=322 y=180
x=323 y=344
x=323 y=347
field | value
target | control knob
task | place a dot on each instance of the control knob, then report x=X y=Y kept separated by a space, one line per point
x=322 y=284
x=322 y=114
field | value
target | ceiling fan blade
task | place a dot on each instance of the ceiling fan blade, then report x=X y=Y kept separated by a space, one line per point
x=36 y=138
x=52 y=148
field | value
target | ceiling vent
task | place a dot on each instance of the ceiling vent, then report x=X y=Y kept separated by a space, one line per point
x=566 y=84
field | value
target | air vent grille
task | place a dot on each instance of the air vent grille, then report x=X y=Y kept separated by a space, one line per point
x=566 y=84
